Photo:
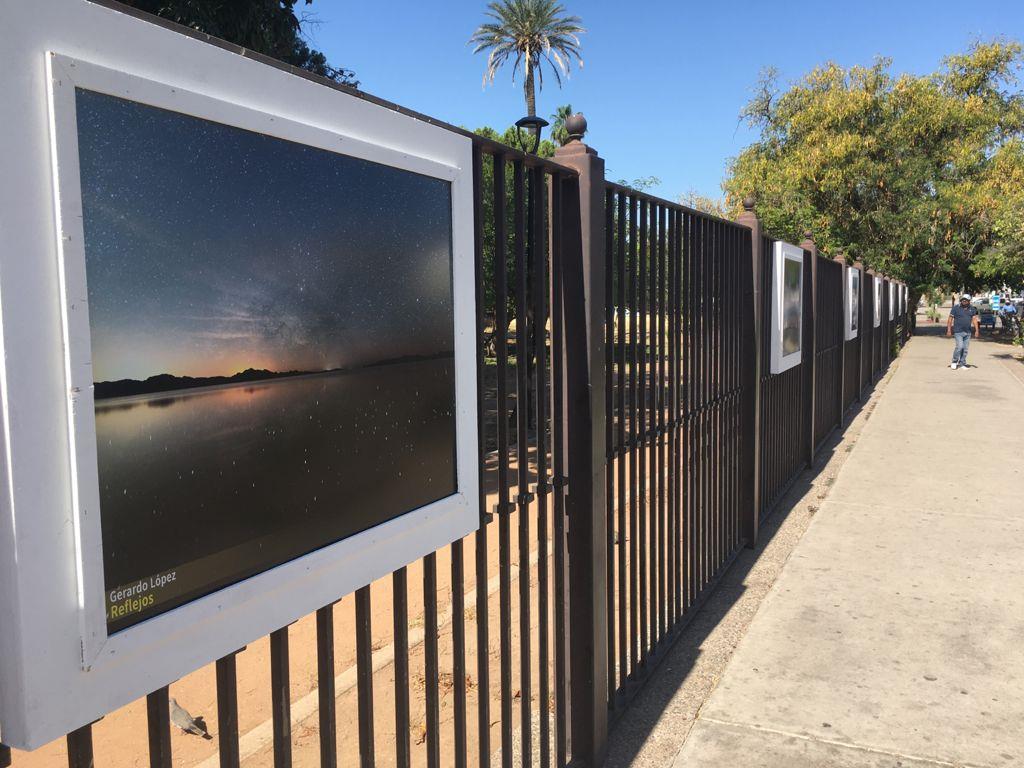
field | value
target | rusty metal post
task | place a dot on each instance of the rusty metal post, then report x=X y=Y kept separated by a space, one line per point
x=583 y=238
x=809 y=358
x=751 y=516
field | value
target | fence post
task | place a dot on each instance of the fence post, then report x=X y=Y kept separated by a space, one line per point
x=867 y=329
x=751 y=516
x=810 y=345
x=583 y=238
x=842 y=339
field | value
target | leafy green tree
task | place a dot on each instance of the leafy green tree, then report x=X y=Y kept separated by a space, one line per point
x=270 y=27
x=714 y=206
x=528 y=33
x=913 y=175
x=546 y=149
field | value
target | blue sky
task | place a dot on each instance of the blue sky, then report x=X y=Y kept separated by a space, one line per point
x=663 y=82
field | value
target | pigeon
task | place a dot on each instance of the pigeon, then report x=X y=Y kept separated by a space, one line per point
x=181 y=718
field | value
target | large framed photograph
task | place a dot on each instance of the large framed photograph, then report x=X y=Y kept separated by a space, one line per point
x=851 y=308
x=877 y=287
x=787 y=306
x=259 y=390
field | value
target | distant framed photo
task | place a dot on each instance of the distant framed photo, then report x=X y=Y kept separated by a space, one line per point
x=877 y=283
x=851 y=304
x=787 y=307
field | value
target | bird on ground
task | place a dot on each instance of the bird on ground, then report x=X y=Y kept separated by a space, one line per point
x=181 y=718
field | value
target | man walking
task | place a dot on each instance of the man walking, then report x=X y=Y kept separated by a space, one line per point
x=963 y=319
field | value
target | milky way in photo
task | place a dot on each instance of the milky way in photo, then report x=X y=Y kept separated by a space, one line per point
x=211 y=249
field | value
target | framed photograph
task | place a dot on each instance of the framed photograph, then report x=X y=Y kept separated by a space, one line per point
x=787 y=306
x=259 y=390
x=851 y=308
x=877 y=282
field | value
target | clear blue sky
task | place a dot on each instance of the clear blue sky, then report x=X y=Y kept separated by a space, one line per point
x=663 y=81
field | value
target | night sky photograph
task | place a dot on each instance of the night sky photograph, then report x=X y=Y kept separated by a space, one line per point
x=272 y=341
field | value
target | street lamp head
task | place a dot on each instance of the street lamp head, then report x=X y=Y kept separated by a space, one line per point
x=533 y=125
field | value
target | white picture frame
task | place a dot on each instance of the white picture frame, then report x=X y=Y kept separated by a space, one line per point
x=59 y=669
x=787 y=307
x=851 y=303
x=877 y=283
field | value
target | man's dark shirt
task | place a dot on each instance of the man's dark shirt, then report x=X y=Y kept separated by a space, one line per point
x=963 y=319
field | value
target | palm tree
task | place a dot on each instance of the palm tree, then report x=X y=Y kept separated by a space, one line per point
x=528 y=33
x=558 y=131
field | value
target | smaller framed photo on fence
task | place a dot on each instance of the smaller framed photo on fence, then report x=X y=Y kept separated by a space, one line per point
x=851 y=304
x=787 y=307
x=878 y=302
x=892 y=301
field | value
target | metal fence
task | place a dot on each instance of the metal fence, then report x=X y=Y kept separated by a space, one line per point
x=677 y=291
x=602 y=527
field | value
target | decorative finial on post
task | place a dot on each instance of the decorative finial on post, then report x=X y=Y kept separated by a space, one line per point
x=576 y=126
x=749 y=202
x=808 y=243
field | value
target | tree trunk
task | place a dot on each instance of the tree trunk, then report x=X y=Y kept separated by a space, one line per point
x=528 y=90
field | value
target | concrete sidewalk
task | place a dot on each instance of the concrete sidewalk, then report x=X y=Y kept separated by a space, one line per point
x=895 y=633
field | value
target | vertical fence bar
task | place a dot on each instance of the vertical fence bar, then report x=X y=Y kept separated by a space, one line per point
x=431 y=668
x=809 y=360
x=158 y=717
x=280 y=700
x=558 y=438
x=80 y=747
x=751 y=514
x=540 y=314
x=640 y=434
x=610 y=446
x=227 y=711
x=634 y=550
x=364 y=677
x=502 y=416
x=483 y=667
x=524 y=497
x=325 y=686
x=479 y=538
x=400 y=628
x=458 y=653
x=620 y=460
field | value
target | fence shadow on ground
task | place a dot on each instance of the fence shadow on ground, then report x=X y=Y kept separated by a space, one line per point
x=677 y=663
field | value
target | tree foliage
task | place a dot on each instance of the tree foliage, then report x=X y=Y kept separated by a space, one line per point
x=270 y=27
x=916 y=176
x=528 y=33
x=546 y=149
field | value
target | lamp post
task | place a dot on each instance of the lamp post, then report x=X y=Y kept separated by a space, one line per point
x=534 y=125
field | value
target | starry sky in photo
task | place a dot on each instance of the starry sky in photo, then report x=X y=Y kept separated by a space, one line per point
x=211 y=249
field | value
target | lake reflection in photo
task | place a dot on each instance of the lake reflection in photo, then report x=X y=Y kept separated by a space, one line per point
x=292 y=463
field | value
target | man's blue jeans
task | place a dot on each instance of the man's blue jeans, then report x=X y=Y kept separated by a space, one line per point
x=962 y=342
